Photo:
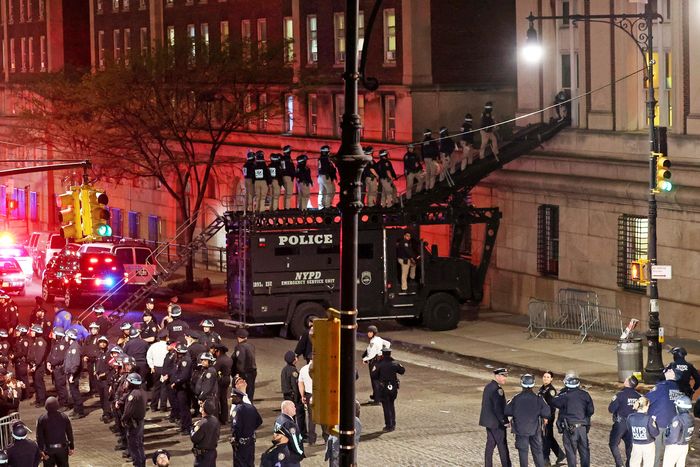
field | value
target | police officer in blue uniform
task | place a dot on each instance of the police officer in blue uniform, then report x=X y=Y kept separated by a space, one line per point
x=643 y=431
x=245 y=419
x=276 y=181
x=208 y=337
x=133 y=419
x=22 y=451
x=288 y=174
x=248 y=179
x=103 y=370
x=327 y=175
x=528 y=411
x=304 y=183
x=549 y=442
x=136 y=348
x=55 y=365
x=387 y=175
x=223 y=366
x=101 y=319
x=385 y=371
x=36 y=357
x=286 y=421
x=661 y=405
x=620 y=407
x=205 y=436
x=182 y=374
x=576 y=407
x=687 y=371
x=280 y=454
x=413 y=171
x=177 y=327
x=73 y=366
x=679 y=433
x=493 y=404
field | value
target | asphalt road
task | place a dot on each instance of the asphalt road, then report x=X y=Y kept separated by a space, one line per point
x=437 y=414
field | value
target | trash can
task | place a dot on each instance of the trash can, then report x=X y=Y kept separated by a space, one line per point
x=629 y=358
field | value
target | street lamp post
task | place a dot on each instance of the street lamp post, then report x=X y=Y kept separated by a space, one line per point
x=351 y=161
x=639 y=28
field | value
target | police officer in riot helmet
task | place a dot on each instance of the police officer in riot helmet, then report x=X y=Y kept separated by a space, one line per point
x=177 y=327
x=327 y=175
x=687 y=371
x=133 y=418
x=576 y=407
x=248 y=173
x=304 y=182
x=22 y=451
x=288 y=175
x=620 y=407
x=261 y=181
x=276 y=180
x=679 y=433
x=528 y=412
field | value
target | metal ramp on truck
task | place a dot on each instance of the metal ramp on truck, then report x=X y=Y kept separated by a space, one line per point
x=163 y=271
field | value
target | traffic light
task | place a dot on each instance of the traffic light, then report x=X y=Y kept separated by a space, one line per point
x=663 y=173
x=12 y=204
x=639 y=271
x=325 y=372
x=95 y=213
x=69 y=216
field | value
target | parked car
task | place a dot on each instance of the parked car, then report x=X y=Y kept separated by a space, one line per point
x=45 y=246
x=21 y=254
x=12 y=278
x=135 y=256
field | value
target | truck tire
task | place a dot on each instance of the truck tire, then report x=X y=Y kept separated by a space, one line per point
x=302 y=313
x=441 y=312
x=70 y=299
x=48 y=298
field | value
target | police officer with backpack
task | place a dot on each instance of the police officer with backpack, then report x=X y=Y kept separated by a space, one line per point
x=687 y=371
x=576 y=408
x=288 y=175
x=528 y=412
x=327 y=175
x=679 y=433
x=261 y=181
x=620 y=407
x=387 y=175
x=430 y=152
x=276 y=180
x=304 y=183
x=248 y=178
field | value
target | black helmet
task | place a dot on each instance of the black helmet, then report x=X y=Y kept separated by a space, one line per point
x=3 y=457
x=287 y=150
x=275 y=156
x=488 y=107
x=427 y=132
x=259 y=156
x=250 y=155
x=325 y=150
x=679 y=351
x=633 y=381
x=368 y=150
x=468 y=118
x=19 y=430
x=383 y=153
x=572 y=382
x=443 y=130
x=302 y=158
x=527 y=381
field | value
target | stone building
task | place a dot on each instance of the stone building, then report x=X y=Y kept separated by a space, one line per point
x=575 y=211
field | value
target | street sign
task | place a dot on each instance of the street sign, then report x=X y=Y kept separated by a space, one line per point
x=661 y=272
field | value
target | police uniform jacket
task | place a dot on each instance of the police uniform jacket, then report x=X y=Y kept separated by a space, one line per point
x=176 y=330
x=245 y=419
x=680 y=431
x=430 y=148
x=63 y=319
x=327 y=168
x=493 y=405
x=289 y=383
x=4 y=349
x=275 y=168
x=245 y=358
x=386 y=371
x=261 y=172
x=37 y=352
x=137 y=348
x=304 y=346
x=661 y=398
x=54 y=428
x=527 y=409
x=223 y=367
x=57 y=353
x=182 y=373
x=407 y=249
x=71 y=361
x=385 y=169
x=447 y=145
x=149 y=330
x=90 y=347
x=643 y=428
x=134 y=408
x=279 y=455
x=194 y=351
x=548 y=393
x=467 y=136
x=487 y=120
x=23 y=452
x=622 y=404
x=687 y=371
x=411 y=164
x=104 y=325
x=21 y=348
x=368 y=171
x=296 y=445
x=102 y=366
x=210 y=338
x=170 y=364
x=248 y=169
x=287 y=166
x=576 y=406
x=207 y=384
x=205 y=433
x=303 y=174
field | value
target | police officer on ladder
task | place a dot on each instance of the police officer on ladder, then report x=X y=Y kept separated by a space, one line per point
x=528 y=411
x=430 y=152
x=387 y=175
x=493 y=404
x=576 y=408
x=620 y=407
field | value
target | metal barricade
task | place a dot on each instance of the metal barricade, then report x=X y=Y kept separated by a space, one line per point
x=601 y=321
x=6 y=429
x=582 y=319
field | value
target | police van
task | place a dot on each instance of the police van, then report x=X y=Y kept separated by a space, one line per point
x=283 y=270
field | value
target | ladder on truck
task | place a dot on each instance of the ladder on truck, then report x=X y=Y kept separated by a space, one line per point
x=238 y=243
x=163 y=271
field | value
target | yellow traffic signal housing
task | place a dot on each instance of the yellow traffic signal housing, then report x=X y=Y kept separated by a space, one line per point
x=663 y=173
x=639 y=271
x=95 y=215
x=69 y=215
x=325 y=372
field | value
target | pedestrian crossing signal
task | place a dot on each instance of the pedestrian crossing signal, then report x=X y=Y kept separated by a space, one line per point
x=325 y=372
x=638 y=271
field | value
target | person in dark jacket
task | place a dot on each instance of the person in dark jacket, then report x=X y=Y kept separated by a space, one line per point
x=37 y=357
x=386 y=371
x=276 y=180
x=493 y=418
x=137 y=348
x=387 y=175
x=576 y=407
x=407 y=254
x=687 y=371
x=288 y=175
x=413 y=171
x=90 y=355
x=149 y=327
x=246 y=367
x=205 y=435
x=248 y=179
x=327 y=175
x=73 y=367
x=488 y=132
x=224 y=367
x=528 y=411
x=133 y=418
x=304 y=347
x=177 y=327
x=467 y=141
x=447 y=148
x=293 y=441
x=304 y=183
x=679 y=433
x=644 y=431
x=54 y=434
x=22 y=452
x=549 y=442
x=261 y=181
x=279 y=454
x=245 y=419
x=289 y=378
x=620 y=407
x=430 y=152
x=370 y=179
x=102 y=376
x=180 y=382
x=661 y=406
x=55 y=364
x=207 y=385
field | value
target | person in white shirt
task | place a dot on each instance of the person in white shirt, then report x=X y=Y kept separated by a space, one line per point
x=374 y=350
x=306 y=390
x=155 y=358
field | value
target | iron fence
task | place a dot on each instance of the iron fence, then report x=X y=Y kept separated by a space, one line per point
x=6 y=423
x=582 y=319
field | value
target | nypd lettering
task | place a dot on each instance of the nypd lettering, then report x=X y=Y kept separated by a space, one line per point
x=639 y=433
x=309 y=239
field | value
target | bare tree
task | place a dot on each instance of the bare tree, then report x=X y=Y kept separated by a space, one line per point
x=163 y=116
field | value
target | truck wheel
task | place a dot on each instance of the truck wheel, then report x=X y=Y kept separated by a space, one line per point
x=302 y=313
x=69 y=299
x=441 y=312
x=48 y=298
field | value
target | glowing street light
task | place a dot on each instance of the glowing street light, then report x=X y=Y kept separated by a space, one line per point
x=532 y=52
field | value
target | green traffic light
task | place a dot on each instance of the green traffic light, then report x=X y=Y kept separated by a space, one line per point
x=104 y=231
x=665 y=186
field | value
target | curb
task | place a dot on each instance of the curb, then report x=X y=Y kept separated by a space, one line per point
x=470 y=360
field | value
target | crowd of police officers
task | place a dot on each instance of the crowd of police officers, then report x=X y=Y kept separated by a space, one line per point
x=655 y=429
x=439 y=159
